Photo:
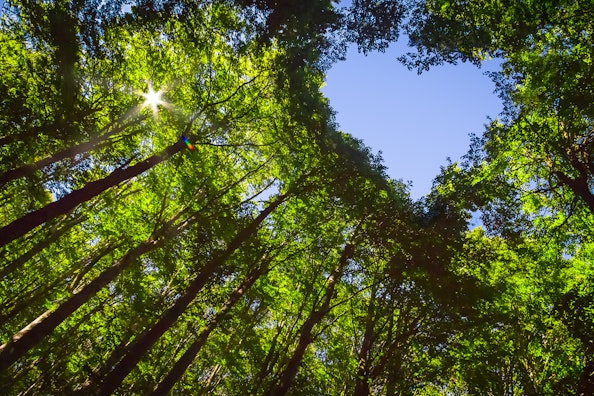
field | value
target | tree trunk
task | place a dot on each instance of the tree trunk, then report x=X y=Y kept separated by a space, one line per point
x=269 y=361
x=305 y=338
x=579 y=186
x=587 y=380
x=21 y=302
x=361 y=384
x=56 y=350
x=24 y=302
x=145 y=341
x=13 y=300
x=41 y=245
x=180 y=367
x=33 y=333
x=71 y=152
x=62 y=206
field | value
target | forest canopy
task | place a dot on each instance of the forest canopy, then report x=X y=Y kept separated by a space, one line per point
x=180 y=213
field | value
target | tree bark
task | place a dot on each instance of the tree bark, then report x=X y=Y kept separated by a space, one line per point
x=34 y=332
x=305 y=338
x=145 y=341
x=579 y=186
x=26 y=223
x=587 y=380
x=361 y=385
x=71 y=152
x=180 y=367
x=269 y=361
x=41 y=245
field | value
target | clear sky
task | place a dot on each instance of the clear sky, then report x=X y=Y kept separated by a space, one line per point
x=417 y=121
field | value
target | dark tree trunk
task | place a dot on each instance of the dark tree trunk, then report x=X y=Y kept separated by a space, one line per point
x=33 y=333
x=71 y=152
x=41 y=245
x=587 y=380
x=269 y=361
x=25 y=299
x=145 y=341
x=579 y=186
x=185 y=361
x=21 y=226
x=361 y=384
x=56 y=350
x=306 y=337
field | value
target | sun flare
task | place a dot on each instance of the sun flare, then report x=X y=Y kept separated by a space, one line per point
x=153 y=99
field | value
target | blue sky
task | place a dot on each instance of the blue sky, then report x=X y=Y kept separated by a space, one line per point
x=417 y=121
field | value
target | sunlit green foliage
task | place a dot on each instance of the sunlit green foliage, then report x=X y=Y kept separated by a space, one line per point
x=278 y=257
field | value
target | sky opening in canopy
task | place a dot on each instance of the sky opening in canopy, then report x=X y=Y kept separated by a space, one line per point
x=416 y=121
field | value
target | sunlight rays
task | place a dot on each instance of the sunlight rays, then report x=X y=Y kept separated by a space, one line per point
x=153 y=99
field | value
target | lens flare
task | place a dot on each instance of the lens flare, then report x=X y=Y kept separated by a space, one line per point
x=187 y=142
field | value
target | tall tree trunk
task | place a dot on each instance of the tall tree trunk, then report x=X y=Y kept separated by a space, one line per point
x=34 y=332
x=587 y=381
x=62 y=206
x=361 y=384
x=41 y=245
x=56 y=350
x=180 y=367
x=95 y=375
x=71 y=152
x=305 y=338
x=25 y=299
x=269 y=361
x=30 y=335
x=24 y=302
x=40 y=288
x=145 y=341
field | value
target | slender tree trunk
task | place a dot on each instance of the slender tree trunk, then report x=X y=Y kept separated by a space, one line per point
x=212 y=376
x=30 y=335
x=95 y=376
x=27 y=302
x=269 y=361
x=180 y=367
x=306 y=337
x=83 y=269
x=71 y=152
x=119 y=351
x=388 y=350
x=41 y=245
x=361 y=384
x=27 y=296
x=56 y=349
x=21 y=302
x=14 y=299
x=62 y=206
x=145 y=341
x=587 y=380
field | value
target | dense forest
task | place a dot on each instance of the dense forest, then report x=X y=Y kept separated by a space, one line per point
x=181 y=214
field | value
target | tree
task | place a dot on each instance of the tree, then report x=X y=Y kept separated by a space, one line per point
x=531 y=172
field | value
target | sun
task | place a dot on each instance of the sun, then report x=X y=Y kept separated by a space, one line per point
x=152 y=98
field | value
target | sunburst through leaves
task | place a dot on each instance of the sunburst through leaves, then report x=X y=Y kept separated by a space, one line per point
x=153 y=99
